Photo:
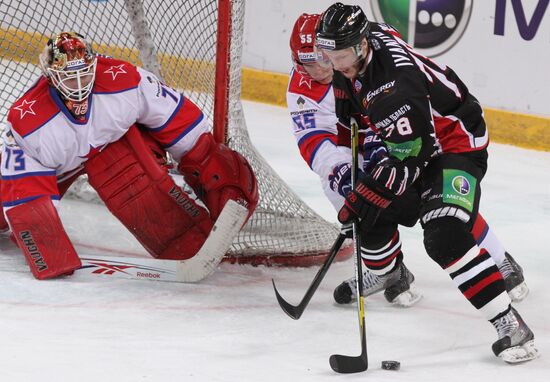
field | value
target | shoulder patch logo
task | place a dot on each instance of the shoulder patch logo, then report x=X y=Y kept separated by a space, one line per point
x=115 y=70
x=25 y=108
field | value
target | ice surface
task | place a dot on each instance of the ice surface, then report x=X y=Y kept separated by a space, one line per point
x=230 y=328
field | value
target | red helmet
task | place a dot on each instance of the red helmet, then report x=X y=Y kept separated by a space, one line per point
x=302 y=39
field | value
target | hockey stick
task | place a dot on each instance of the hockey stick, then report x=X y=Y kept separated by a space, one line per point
x=295 y=311
x=344 y=363
x=205 y=262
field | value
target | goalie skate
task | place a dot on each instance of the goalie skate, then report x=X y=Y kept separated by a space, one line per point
x=516 y=343
x=513 y=278
x=398 y=286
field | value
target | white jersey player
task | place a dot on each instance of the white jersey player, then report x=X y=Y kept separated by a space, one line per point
x=115 y=122
x=324 y=144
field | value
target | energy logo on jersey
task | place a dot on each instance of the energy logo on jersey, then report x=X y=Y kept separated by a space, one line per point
x=430 y=26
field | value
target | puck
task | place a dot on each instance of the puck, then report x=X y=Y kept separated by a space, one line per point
x=391 y=365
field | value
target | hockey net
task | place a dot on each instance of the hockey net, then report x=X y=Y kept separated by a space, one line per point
x=194 y=46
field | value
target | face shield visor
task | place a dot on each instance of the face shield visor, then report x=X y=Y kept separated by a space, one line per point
x=316 y=65
x=346 y=59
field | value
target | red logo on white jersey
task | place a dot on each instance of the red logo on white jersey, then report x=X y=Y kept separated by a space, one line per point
x=115 y=70
x=25 y=107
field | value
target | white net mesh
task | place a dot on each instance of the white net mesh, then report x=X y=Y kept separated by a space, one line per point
x=177 y=40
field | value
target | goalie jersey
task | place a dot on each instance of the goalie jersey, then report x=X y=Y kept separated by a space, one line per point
x=44 y=142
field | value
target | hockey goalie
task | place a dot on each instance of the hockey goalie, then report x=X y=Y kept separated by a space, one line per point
x=115 y=122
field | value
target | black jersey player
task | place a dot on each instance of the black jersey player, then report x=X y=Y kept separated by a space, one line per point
x=437 y=139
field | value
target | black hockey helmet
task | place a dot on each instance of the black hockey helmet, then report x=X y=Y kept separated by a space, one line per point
x=342 y=26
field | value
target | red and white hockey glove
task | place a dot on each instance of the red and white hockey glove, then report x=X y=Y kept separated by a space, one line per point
x=365 y=202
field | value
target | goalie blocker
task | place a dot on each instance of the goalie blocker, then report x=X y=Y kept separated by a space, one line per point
x=137 y=189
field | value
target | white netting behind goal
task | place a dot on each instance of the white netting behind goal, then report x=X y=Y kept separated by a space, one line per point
x=176 y=40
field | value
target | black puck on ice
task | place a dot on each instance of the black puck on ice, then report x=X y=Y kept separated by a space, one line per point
x=391 y=365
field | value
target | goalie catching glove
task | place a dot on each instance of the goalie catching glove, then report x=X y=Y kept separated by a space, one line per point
x=365 y=202
x=217 y=174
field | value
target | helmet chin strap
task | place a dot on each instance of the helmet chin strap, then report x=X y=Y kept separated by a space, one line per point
x=362 y=66
x=362 y=59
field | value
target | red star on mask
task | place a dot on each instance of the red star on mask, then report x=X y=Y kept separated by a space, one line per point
x=115 y=70
x=25 y=108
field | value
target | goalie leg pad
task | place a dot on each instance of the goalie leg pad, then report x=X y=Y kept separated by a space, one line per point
x=64 y=185
x=3 y=223
x=140 y=193
x=40 y=235
x=217 y=173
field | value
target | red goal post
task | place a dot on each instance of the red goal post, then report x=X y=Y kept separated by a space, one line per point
x=195 y=46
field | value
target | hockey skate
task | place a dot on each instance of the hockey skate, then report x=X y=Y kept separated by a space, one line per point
x=398 y=287
x=513 y=278
x=516 y=342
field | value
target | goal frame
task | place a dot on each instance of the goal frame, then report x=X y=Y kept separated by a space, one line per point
x=283 y=230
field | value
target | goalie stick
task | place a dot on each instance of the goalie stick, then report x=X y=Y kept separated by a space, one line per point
x=198 y=267
x=344 y=363
x=295 y=311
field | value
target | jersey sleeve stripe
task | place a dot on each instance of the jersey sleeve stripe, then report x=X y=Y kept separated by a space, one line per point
x=307 y=138
x=175 y=113
x=185 y=132
x=27 y=174
x=25 y=200
x=310 y=143
x=317 y=147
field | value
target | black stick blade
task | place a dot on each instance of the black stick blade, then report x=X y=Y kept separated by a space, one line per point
x=294 y=312
x=348 y=364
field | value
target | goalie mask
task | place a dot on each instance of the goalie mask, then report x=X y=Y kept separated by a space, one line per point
x=69 y=63
x=309 y=61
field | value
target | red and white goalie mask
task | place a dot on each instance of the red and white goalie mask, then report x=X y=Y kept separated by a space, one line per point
x=69 y=62
x=308 y=60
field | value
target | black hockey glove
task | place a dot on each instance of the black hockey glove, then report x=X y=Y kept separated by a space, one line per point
x=365 y=202
x=374 y=151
